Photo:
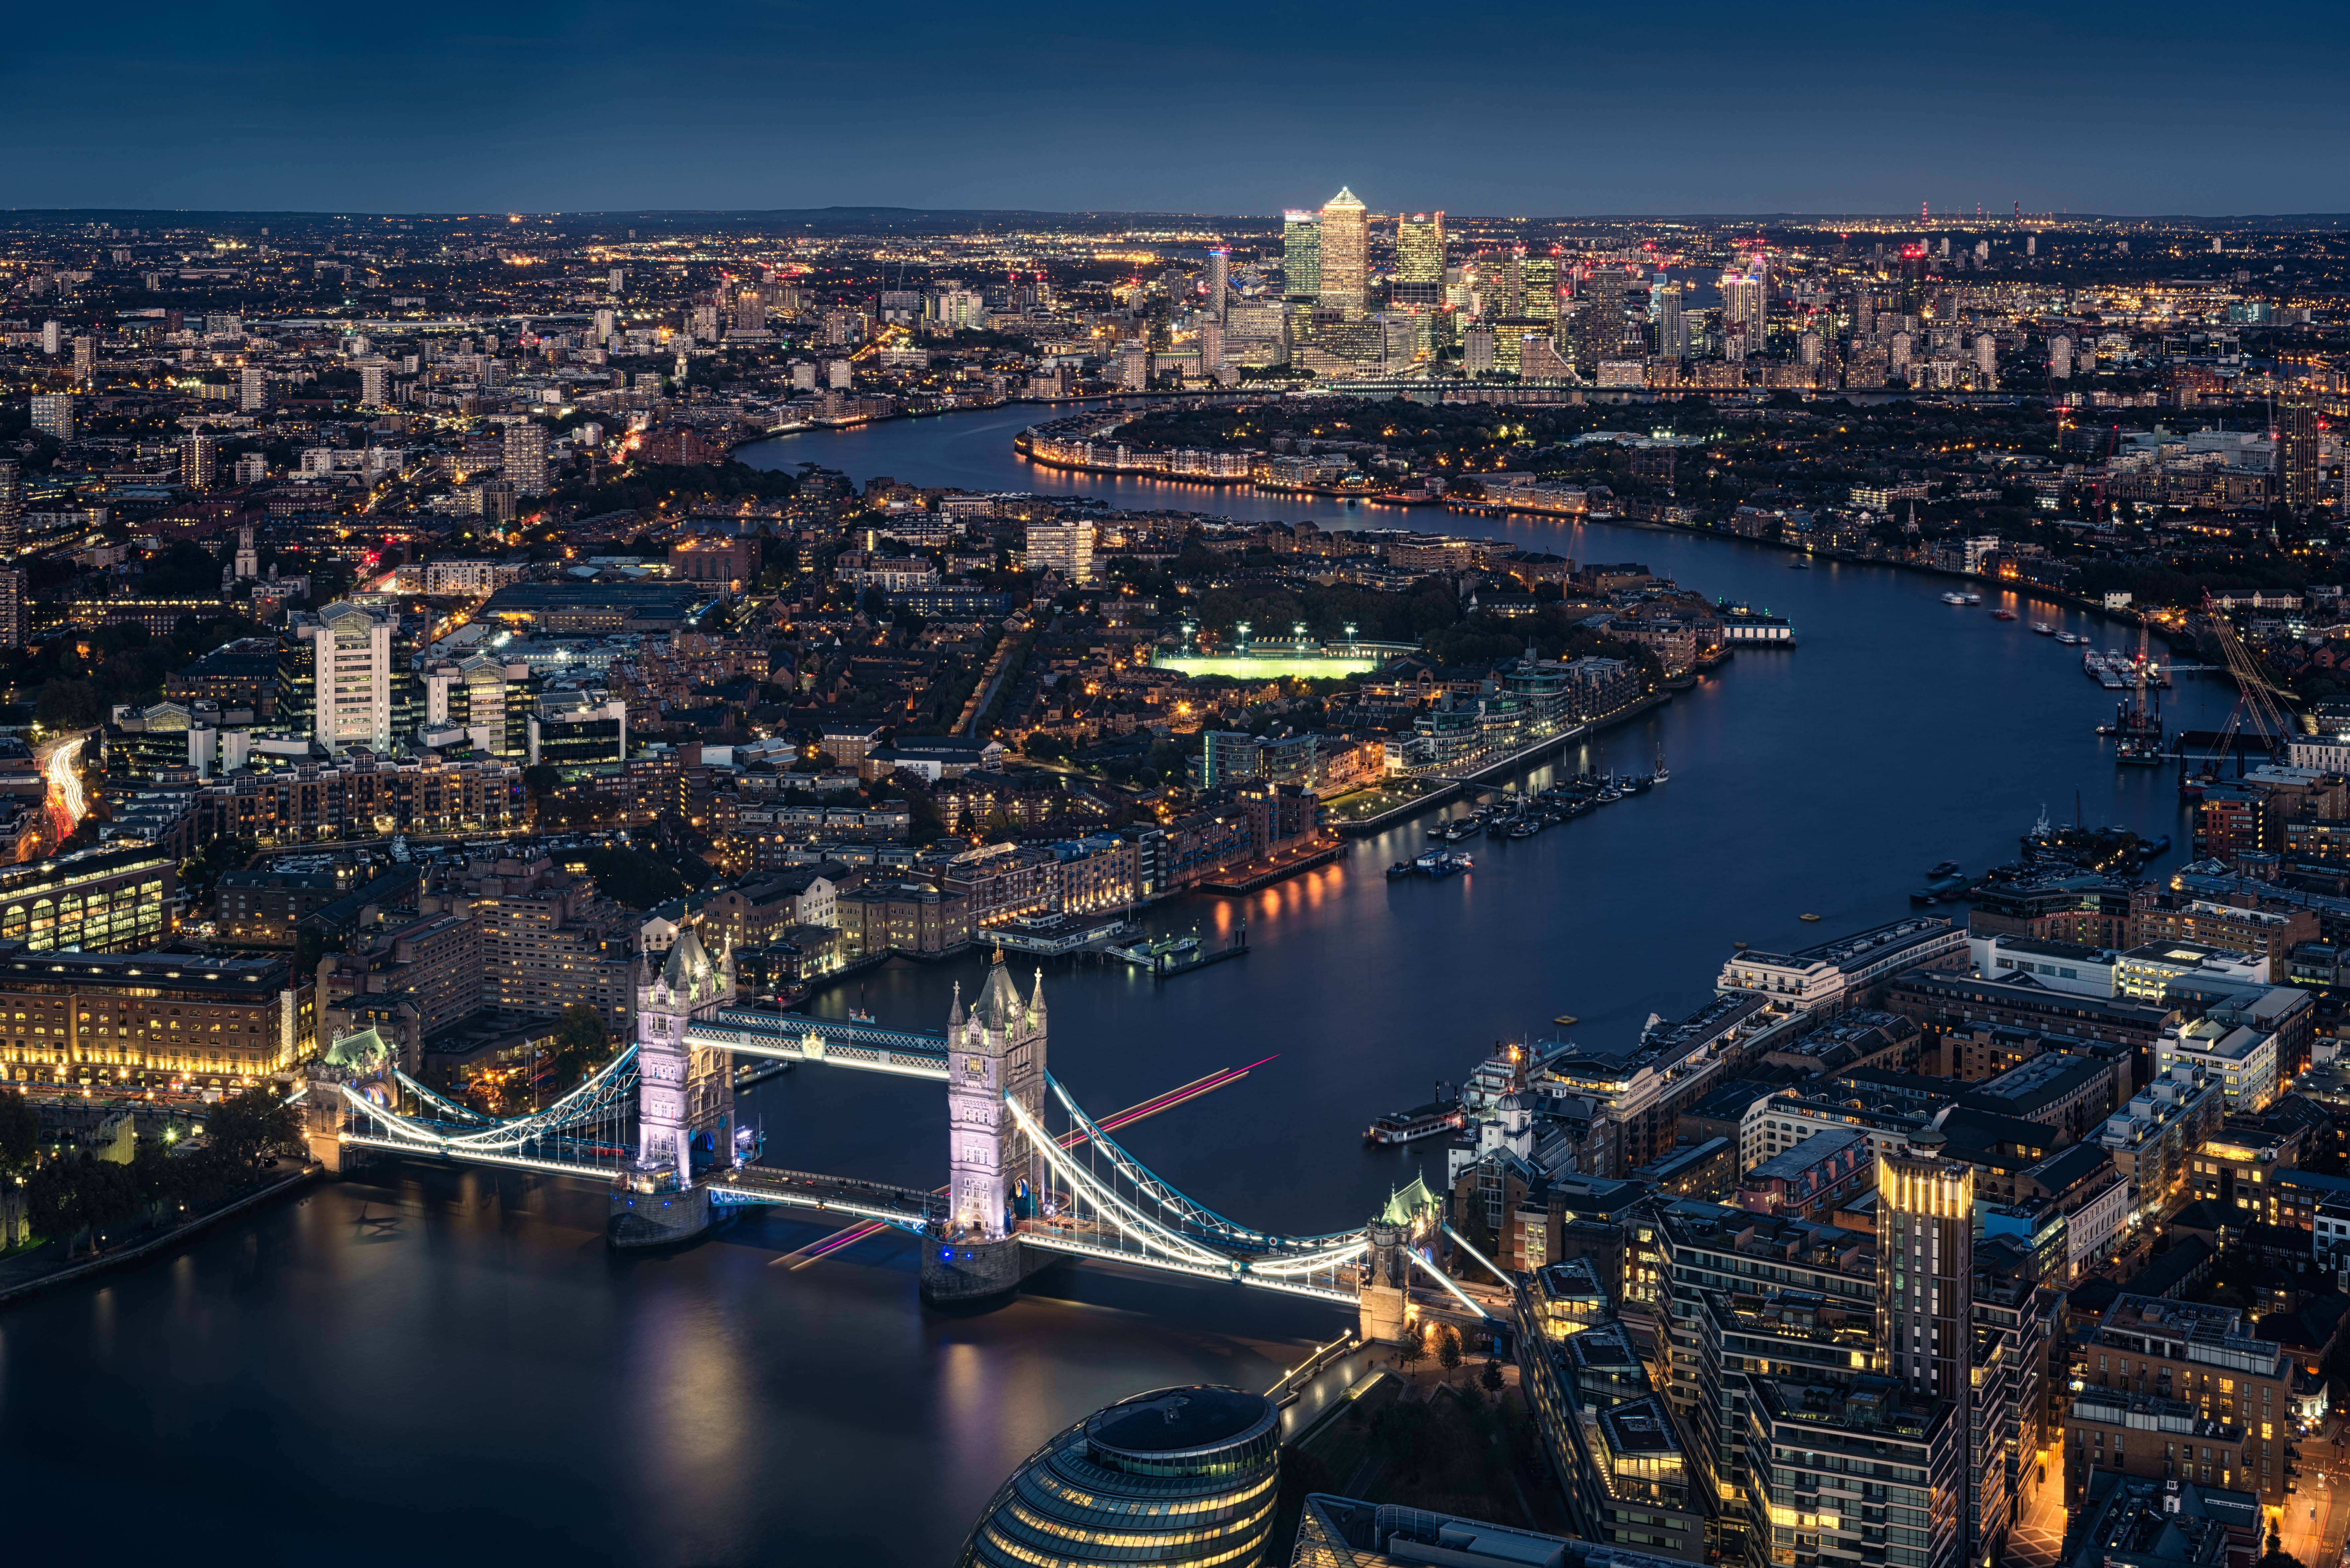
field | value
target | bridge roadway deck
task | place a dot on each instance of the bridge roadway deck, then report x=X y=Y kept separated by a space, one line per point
x=901 y=1206
x=793 y=1037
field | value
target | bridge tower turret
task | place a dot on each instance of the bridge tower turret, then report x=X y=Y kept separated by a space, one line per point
x=683 y=1091
x=995 y=1052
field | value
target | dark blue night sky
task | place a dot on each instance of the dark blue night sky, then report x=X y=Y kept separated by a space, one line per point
x=1538 y=110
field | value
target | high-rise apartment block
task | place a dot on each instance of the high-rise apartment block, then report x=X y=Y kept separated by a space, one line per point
x=1219 y=280
x=1925 y=1272
x=15 y=607
x=253 y=388
x=52 y=338
x=525 y=457
x=350 y=650
x=85 y=360
x=53 y=414
x=199 y=461
x=375 y=385
x=12 y=508
x=1742 y=321
x=1672 y=326
x=1065 y=546
x=2296 y=449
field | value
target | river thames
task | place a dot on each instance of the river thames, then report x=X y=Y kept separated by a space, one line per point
x=429 y=1366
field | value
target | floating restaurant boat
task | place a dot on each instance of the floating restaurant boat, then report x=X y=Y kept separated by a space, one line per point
x=1431 y=1120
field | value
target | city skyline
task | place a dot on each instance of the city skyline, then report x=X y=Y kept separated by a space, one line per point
x=1714 y=108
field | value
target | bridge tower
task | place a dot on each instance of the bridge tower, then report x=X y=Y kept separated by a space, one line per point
x=1386 y=1290
x=683 y=1091
x=994 y=1052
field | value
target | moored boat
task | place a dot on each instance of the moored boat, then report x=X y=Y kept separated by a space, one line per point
x=1430 y=1120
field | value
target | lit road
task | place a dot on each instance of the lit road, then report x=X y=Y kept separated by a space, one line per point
x=67 y=804
x=2317 y=1540
x=2038 y=1538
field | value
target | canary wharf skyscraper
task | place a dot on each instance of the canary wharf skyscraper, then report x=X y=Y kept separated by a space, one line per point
x=1301 y=256
x=1344 y=274
x=1420 y=248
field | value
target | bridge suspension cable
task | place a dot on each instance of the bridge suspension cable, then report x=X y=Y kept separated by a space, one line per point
x=1196 y=1214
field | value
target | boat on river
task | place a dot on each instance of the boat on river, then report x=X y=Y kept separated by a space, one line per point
x=1954 y=598
x=1431 y=1120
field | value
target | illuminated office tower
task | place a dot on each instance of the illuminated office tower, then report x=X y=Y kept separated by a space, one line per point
x=1672 y=327
x=1539 y=275
x=1420 y=248
x=1926 y=1267
x=1301 y=256
x=1507 y=295
x=1345 y=251
x=1220 y=278
x=1742 y=315
x=2297 y=448
x=525 y=457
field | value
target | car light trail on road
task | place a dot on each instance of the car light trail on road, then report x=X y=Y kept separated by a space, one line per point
x=68 y=804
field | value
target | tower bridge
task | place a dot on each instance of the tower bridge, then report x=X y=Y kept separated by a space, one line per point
x=1030 y=1174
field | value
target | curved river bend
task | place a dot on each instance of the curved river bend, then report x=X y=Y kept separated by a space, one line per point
x=444 y=1368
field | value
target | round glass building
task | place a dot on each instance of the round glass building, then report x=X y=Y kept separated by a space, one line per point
x=1183 y=1476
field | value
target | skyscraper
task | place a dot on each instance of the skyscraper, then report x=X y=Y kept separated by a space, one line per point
x=525 y=457
x=1220 y=278
x=1345 y=253
x=1665 y=310
x=1539 y=274
x=1600 y=313
x=1420 y=248
x=1301 y=256
x=1742 y=315
x=2297 y=448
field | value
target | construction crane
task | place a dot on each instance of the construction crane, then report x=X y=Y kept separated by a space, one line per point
x=2256 y=696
